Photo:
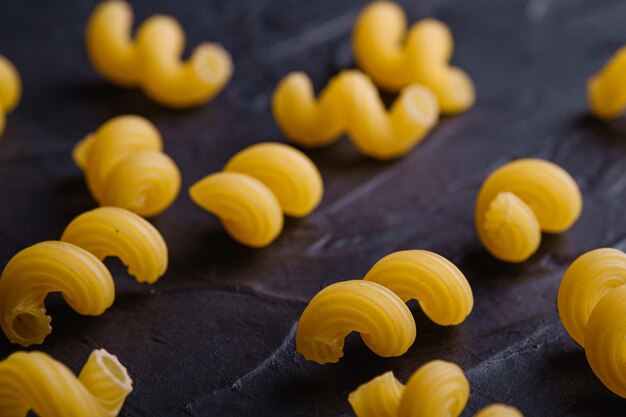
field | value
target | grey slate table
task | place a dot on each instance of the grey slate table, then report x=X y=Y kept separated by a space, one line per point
x=215 y=336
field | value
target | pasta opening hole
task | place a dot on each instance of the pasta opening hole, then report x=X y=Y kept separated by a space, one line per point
x=113 y=368
x=31 y=326
x=421 y=104
x=211 y=63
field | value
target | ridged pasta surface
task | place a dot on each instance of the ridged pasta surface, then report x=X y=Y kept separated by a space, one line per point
x=592 y=307
x=288 y=173
x=436 y=283
x=350 y=104
x=125 y=167
x=396 y=56
x=112 y=231
x=152 y=60
x=35 y=381
x=437 y=389
x=521 y=199
x=257 y=185
x=82 y=279
x=381 y=317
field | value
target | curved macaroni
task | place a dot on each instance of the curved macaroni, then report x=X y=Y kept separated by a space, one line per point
x=381 y=317
x=521 y=199
x=82 y=279
x=152 y=60
x=35 y=381
x=350 y=103
x=592 y=307
x=125 y=167
x=111 y=231
x=436 y=283
x=257 y=185
x=380 y=48
x=606 y=90
x=437 y=389
x=10 y=89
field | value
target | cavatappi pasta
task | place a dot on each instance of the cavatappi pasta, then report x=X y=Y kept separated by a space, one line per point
x=34 y=381
x=606 y=90
x=437 y=389
x=256 y=186
x=350 y=103
x=520 y=200
x=10 y=89
x=34 y=272
x=381 y=317
x=124 y=166
x=112 y=231
x=152 y=60
x=441 y=289
x=396 y=58
x=592 y=307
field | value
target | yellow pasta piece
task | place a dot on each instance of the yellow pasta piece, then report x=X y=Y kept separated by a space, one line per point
x=152 y=60
x=521 y=199
x=381 y=317
x=379 y=397
x=606 y=90
x=82 y=279
x=111 y=231
x=10 y=89
x=436 y=283
x=287 y=172
x=437 y=389
x=499 y=410
x=257 y=185
x=592 y=307
x=396 y=58
x=350 y=103
x=125 y=167
x=35 y=381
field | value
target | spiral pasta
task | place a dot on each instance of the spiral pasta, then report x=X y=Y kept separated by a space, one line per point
x=436 y=283
x=257 y=185
x=592 y=307
x=10 y=89
x=437 y=389
x=350 y=103
x=112 y=231
x=606 y=90
x=441 y=289
x=82 y=279
x=379 y=46
x=381 y=317
x=521 y=199
x=125 y=167
x=152 y=60
x=35 y=381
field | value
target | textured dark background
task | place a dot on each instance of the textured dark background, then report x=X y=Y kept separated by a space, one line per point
x=215 y=336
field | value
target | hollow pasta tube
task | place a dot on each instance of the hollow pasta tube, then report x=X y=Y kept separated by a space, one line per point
x=592 y=307
x=152 y=60
x=606 y=90
x=350 y=103
x=381 y=317
x=35 y=381
x=520 y=200
x=396 y=56
x=34 y=272
x=112 y=231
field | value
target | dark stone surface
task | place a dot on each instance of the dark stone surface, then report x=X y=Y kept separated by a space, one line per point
x=215 y=337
